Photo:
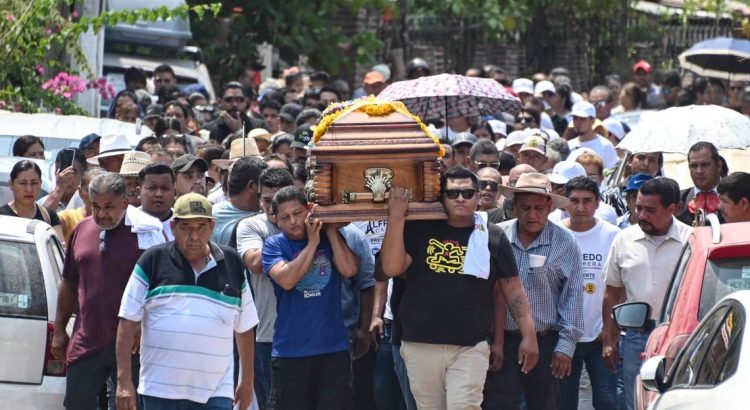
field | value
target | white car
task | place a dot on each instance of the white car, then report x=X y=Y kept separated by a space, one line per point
x=31 y=260
x=712 y=371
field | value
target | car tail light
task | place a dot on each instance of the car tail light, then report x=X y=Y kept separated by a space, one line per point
x=52 y=366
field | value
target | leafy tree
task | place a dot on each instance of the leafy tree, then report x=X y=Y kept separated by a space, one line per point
x=39 y=40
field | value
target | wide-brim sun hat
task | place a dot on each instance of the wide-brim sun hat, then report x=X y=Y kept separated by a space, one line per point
x=109 y=146
x=534 y=183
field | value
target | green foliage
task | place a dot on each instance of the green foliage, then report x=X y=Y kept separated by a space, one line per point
x=298 y=28
x=45 y=33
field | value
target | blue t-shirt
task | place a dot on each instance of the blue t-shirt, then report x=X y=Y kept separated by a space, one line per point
x=309 y=320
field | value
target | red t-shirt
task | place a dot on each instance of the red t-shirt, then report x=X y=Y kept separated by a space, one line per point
x=101 y=274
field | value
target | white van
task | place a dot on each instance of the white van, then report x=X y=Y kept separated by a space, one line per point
x=31 y=261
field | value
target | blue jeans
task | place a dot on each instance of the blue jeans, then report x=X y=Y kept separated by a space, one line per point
x=633 y=345
x=262 y=367
x=403 y=377
x=214 y=403
x=386 y=388
x=603 y=381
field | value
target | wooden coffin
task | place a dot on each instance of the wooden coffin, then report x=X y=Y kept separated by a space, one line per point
x=362 y=151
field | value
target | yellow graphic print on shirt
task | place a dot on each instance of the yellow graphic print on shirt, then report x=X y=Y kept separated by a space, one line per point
x=446 y=256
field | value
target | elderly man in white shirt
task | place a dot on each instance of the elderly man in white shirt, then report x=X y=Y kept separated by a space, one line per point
x=638 y=269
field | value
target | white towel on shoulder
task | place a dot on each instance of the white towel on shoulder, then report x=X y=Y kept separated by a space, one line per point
x=477 y=258
x=147 y=227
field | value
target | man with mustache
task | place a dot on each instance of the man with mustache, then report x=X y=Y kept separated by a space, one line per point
x=638 y=269
x=233 y=115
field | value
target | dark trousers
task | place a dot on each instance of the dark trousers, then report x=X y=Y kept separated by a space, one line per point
x=262 y=373
x=87 y=376
x=363 y=372
x=322 y=382
x=503 y=389
x=386 y=388
x=603 y=381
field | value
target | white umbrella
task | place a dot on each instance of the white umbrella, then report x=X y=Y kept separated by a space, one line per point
x=677 y=129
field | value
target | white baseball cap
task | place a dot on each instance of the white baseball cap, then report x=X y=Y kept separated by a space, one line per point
x=564 y=171
x=543 y=86
x=583 y=109
x=523 y=85
x=498 y=127
x=615 y=127
x=515 y=138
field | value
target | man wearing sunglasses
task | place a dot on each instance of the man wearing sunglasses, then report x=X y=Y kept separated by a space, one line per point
x=232 y=116
x=450 y=310
x=490 y=181
x=484 y=154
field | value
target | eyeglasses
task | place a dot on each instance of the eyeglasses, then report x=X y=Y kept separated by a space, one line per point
x=736 y=88
x=599 y=104
x=491 y=184
x=525 y=119
x=481 y=164
x=454 y=193
x=233 y=99
x=102 y=241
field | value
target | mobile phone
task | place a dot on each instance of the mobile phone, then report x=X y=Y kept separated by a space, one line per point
x=66 y=157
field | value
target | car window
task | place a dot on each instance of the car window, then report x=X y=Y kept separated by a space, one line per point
x=690 y=358
x=51 y=145
x=722 y=354
x=722 y=277
x=22 y=292
x=674 y=286
x=55 y=256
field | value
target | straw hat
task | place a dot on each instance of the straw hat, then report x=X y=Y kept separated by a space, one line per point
x=133 y=162
x=534 y=183
x=260 y=134
x=241 y=147
x=109 y=146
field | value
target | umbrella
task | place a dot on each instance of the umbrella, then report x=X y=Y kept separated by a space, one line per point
x=722 y=57
x=677 y=129
x=451 y=95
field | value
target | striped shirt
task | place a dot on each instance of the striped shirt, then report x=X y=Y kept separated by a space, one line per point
x=554 y=289
x=188 y=320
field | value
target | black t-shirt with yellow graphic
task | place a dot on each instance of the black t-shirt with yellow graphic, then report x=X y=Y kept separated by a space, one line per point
x=442 y=305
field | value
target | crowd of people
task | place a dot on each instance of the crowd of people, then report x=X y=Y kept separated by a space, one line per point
x=200 y=280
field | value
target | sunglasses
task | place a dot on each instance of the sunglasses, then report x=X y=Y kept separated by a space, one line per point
x=736 y=88
x=465 y=193
x=484 y=184
x=599 y=104
x=102 y=241
x=234 y=99
x=481 y=164
x=525 y=120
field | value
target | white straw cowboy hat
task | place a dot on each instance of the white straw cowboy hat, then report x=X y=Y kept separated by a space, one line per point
x=109 y=146
x=133 y=162
x=241 y=147
x=534 y=183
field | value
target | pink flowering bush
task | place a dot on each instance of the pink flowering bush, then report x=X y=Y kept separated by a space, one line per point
x=66 y=85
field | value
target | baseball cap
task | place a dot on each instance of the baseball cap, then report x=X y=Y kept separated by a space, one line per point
x=534 y=143
x=543 y=86
x=302 y=136
x=564 y=171
x=192 y=205
x=153 y=110
x=289 y=112
x=523 y=85
x=615 y=128
x=464 y=138
x=583 y=109
x=185 y=162
x=642 y=65
x=515 y=138
x=88 y=140
x=373 y=77
x=498 y=127
x=635 y=181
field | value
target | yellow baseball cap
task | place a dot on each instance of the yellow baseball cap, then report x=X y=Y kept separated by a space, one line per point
x=191 y=206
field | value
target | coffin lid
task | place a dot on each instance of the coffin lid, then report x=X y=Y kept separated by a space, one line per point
x=383 y=125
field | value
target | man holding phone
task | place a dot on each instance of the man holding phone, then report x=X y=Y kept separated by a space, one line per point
x=232 y=115
x=69 y=166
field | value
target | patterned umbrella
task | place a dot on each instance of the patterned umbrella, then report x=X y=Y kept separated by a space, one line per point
x=451 y=95
x=722 y=57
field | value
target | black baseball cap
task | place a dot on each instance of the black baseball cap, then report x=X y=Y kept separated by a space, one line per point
x=185 y=162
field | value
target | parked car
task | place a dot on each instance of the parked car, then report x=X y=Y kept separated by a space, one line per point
x=714 y=263
x=31 y=260
x=708 y=373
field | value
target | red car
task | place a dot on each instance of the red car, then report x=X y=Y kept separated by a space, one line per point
x=714 y=263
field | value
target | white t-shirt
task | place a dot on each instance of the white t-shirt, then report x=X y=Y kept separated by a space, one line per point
x=601 y=146
x=604 y=212
x=594 y=245
x=375 y=232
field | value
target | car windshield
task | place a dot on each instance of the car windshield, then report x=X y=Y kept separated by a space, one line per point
x=722 y=277
x=51 y=145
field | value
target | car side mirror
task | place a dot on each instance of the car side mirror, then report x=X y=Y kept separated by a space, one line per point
x=652 y=374
x=633 y=316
